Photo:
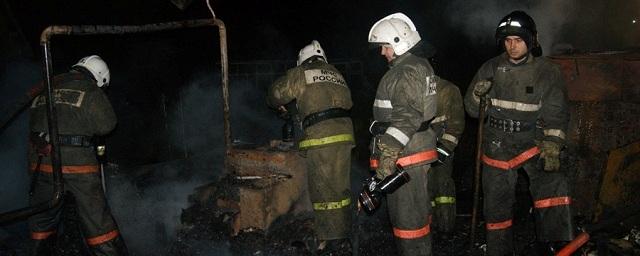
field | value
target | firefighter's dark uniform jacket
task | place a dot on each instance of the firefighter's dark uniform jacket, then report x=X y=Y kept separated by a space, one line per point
x=448 y=126
x=317 y=87
x=83 y=111
x=406 y=97
x=526 y=104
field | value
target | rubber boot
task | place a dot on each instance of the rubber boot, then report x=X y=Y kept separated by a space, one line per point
x=115 y=247
x=334 y=247
x=444 y=217
x=43 y=247
x=544 y=249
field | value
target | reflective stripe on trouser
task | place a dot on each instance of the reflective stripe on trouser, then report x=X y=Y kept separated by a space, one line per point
x=42 y=235
x=422 y=157
x=552 y=223
x=513 y=162
x=70 y=169
x=95 y=217
x=408 y=210
x=329 y=189
x=326 y=140
x=325 y=206
x=443 y=191
x=426 y=156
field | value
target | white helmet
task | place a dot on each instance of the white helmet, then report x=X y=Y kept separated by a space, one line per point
x=397 y=30
x=313 y=49
x=97 y=67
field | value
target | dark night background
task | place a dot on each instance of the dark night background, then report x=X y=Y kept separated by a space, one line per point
x=161 y=85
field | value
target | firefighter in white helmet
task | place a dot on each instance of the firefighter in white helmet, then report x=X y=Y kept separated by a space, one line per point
x=323 y=100
x=83 y=112
x=405 y=104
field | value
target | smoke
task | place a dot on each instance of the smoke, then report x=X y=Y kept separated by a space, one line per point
x=148 y=207
x=198 y=118
x=15 y=80
x=148 y=215
x=478 y=20
x=585 y=25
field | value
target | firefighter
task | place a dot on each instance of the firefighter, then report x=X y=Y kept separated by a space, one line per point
x=405 y=103
x=448 y=125
x=525 y=128
x=83 y=111
x=323 y=99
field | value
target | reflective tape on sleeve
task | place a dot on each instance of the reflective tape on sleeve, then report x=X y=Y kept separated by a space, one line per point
x=382 y=104
x=554 y=132
x=101 y=239
x=417 y=158
x=552 y=202
x=450 y=138
x=323 y=206
x=514 y=105
x=326 y=140
x=398 y=135
x=445 y=200
x=499 y=225
x=514 y=162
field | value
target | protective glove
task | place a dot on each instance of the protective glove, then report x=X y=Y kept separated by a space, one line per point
x=443 y=152
x=550 y=154
x=481 y=88
x=387 y=162
x=40 y=143
x=378 y=128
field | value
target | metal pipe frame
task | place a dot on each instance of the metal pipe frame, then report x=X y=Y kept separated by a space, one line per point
x=45 y=38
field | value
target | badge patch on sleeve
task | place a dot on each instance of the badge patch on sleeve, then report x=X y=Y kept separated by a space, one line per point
x=322 y=76
x=432 y=82
x=62 y=96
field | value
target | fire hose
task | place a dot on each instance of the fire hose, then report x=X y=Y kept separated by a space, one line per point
x=589 y=230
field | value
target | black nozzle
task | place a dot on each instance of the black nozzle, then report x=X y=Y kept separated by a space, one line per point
x=287 y=131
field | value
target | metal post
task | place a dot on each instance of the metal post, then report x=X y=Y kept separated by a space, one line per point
x=476 y=191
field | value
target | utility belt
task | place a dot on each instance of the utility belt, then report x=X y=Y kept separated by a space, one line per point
x=509 y=125
x=317 y=117
x=65 y=140
x=379 y=128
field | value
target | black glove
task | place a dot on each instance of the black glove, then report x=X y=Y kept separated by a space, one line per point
x=40 y=143
x=378 y=128
x=443 y=152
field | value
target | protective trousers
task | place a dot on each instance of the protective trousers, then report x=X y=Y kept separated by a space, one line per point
x=550 y=193
x=410 y=213
x=443 y=195
x=329 y=189
x=98 y=226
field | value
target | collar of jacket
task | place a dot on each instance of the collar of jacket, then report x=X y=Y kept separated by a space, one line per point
x=505 y=59
x=399 y=59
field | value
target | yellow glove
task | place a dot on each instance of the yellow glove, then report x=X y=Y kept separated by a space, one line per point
x=388 y=158
x=550 y=154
